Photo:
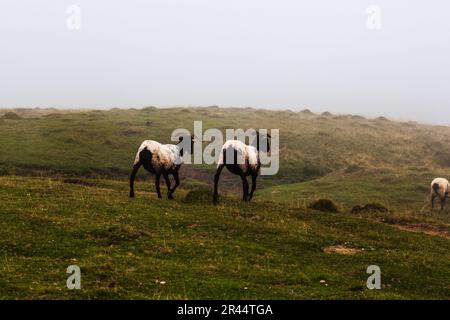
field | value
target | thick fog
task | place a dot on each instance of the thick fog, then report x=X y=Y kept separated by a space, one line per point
x=388 y=57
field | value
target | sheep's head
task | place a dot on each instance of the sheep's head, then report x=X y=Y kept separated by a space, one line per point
x=263 y=141
x=192 y=138
x=184 y=138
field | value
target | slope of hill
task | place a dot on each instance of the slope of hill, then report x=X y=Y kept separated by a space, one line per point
x=104 y=142
x=64 y=200
x=145 y=248
x=395 y=189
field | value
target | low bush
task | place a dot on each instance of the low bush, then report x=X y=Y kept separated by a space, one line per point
x=324 y=205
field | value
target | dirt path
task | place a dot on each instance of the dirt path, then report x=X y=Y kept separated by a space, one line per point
x=422 y=228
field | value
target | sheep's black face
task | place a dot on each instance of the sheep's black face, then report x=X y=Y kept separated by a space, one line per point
x=183 y=138
x=263 y=142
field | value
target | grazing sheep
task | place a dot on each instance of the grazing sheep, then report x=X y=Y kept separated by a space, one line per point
x=245 y=162
x=160 y=159
x=440 y=187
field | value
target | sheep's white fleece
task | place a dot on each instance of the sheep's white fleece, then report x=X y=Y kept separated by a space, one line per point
x=444 y=186
x=164 y=155
x=244 y=152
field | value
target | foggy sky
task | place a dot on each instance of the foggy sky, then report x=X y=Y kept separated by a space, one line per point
x=286 y=54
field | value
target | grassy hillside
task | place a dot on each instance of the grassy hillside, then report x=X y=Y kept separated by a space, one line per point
x=104 y=142
x=64 y=200
x=157 y=249
x=395 y=189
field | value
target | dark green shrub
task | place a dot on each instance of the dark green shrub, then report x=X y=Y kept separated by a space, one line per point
x=324 y=205
x=370 y=208
x=11 y=116
x=198 y=195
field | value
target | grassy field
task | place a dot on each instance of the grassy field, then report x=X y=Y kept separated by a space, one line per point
x=103 y=143
x=127 y=248
x=64 y=201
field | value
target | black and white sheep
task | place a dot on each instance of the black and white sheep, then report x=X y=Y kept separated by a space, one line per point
x=161 y=160
x=440 y=187
x=242 y=160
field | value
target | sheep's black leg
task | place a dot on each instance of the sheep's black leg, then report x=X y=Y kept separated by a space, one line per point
x=133 y=177
x=244 y=188
x=167 y=179
x=157 y=179
x=254 y=176
x=443 y=203
x=177 y=181
x=216 y=182
x=432 y=201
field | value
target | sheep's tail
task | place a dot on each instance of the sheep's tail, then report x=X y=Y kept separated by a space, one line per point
x=436 y=187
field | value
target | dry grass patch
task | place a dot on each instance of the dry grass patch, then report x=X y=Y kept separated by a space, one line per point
x=341 y=249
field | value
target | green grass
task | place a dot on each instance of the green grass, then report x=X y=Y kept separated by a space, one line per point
x=126 y=247
x=396 y=189
x=103 y=143
x=64 y=200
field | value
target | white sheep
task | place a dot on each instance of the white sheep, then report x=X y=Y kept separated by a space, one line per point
x=159 y=159
x=242 y=160
x=440 y=187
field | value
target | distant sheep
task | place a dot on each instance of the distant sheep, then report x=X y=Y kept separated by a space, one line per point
x=160 y=159
x=440 y=187
x=245 y=162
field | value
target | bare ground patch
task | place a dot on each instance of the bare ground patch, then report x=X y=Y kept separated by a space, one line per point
x=423 y=228
x=341 y=249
